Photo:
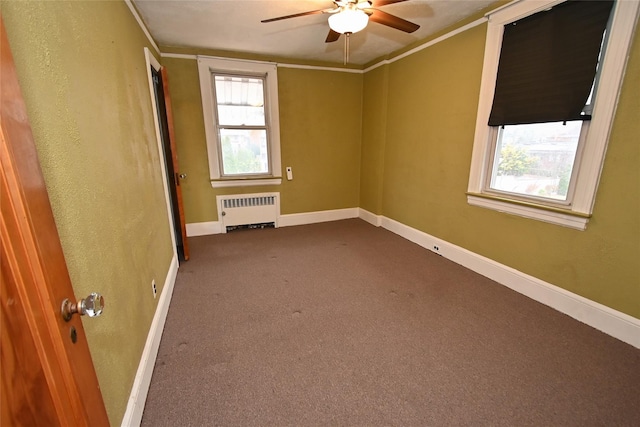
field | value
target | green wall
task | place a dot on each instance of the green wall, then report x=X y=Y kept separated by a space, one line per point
x=374 y=136
x=432 y=102
x=395 y=141
x=426 y=106
x=82 y=71
x=320 y=133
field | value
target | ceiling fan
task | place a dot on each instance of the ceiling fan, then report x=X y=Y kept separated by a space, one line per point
x=350 y=16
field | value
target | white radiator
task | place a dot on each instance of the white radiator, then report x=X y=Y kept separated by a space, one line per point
x=248 y=209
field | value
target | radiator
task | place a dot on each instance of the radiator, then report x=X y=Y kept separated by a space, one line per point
x=248 y=210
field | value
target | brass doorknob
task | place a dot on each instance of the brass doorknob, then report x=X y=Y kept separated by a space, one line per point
x=91 y=306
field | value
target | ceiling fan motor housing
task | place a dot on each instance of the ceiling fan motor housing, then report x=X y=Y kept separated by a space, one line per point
x=351 y=16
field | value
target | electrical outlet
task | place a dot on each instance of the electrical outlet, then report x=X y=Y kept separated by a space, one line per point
x=153 y=288
x=436 y=248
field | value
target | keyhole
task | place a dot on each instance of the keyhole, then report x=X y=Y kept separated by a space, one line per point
x=73 y=334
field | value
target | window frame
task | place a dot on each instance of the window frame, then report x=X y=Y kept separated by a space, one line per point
x=221 y=127
x=207 y=67
x=596 y=132
x=491 y=166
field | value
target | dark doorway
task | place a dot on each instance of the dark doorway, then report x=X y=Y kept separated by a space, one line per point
x=172 y=179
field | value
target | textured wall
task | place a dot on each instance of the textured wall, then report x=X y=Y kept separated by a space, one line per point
x=320 y=118
x=83 y=75
x=431 y=113
x=320 y=130
x=374 y=136
x=431 y=110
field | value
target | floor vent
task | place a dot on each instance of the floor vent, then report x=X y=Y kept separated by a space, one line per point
x=248 y=210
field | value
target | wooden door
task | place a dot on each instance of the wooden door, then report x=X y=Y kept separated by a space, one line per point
x=46 y=378
x=174 y=160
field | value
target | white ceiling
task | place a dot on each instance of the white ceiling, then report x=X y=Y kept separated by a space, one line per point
x=234 y=25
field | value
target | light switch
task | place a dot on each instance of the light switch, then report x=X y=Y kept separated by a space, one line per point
x=289 y=173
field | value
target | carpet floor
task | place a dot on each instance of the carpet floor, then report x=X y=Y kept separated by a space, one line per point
x=346 y=324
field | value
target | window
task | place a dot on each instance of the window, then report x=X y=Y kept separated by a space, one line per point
x=543 y=159
x=535 y=161
x=240 y=105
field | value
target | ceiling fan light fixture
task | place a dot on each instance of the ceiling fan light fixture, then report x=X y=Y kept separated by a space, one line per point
x=348 y=20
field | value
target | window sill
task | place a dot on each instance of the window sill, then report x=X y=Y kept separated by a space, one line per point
x=563 y=217
x=245 y=182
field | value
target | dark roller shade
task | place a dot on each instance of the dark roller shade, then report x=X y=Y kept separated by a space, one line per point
x=548 y=63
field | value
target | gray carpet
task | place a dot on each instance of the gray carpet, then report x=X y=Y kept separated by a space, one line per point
x=345 y=324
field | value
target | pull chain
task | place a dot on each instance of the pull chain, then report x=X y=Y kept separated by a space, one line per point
x=346 y=48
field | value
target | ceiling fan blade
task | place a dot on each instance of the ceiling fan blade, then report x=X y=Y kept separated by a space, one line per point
x=392 y=21
x=332 y=36
x=379 y=3
x=295 y=15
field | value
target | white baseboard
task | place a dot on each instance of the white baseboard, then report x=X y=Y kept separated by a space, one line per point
x=372 y=219
x=612 y=322
x=215 y=227
x=203 y=228
x=137 y=398
x=315 y=217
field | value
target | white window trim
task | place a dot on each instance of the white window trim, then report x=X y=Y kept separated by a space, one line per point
x=590 y=164
x=207 y=65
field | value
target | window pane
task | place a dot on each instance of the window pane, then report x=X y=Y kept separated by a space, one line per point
x=536 y=159
x=244 y=151
x=240 y=101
